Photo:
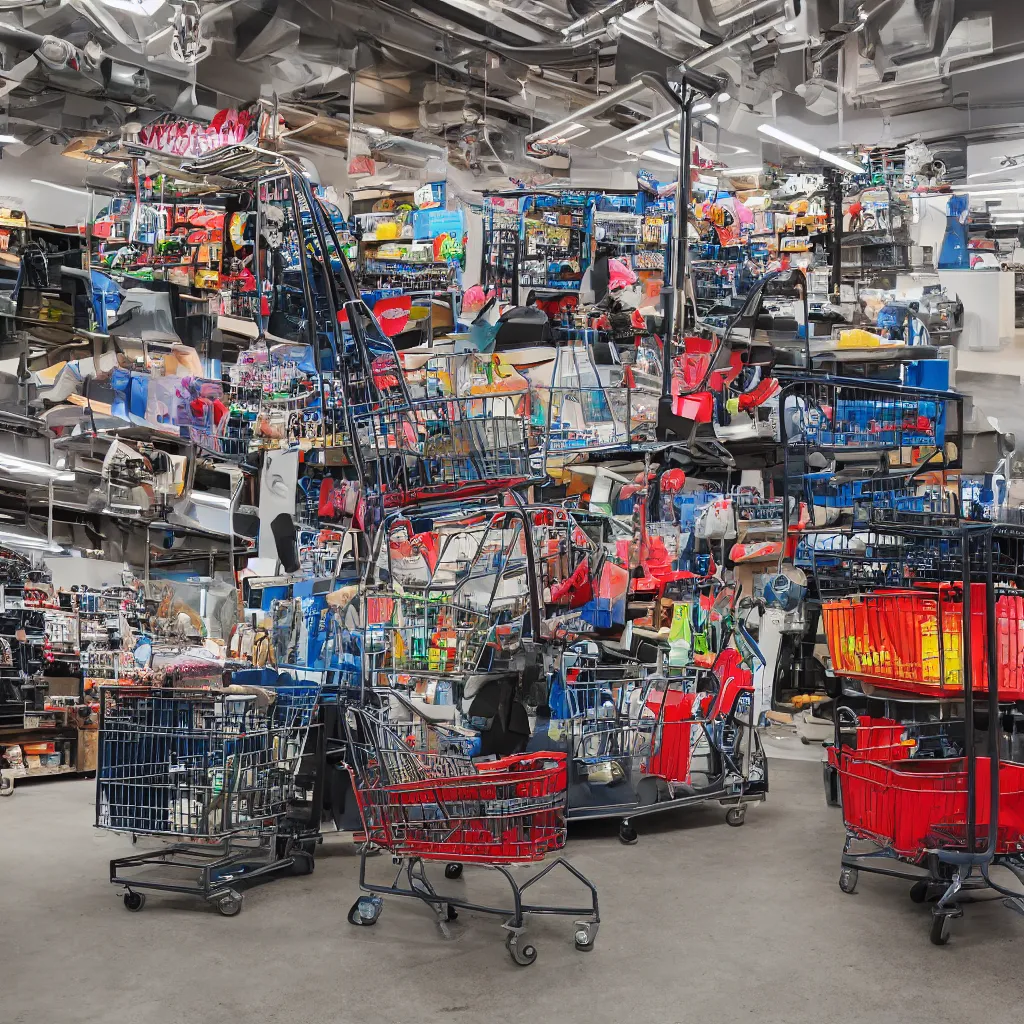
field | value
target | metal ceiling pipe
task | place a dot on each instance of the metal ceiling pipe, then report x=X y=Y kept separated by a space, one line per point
x=725 y=46
x=598 y=19
x=583 y=49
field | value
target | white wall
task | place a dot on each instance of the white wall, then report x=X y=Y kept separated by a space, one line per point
x=45 y=205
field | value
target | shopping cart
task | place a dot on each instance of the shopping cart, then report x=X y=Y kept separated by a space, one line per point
x=933 y=802
x=218 y=769
x=444 y=807
x=444 y=448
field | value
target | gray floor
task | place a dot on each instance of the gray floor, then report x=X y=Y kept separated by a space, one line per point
x=702 y=922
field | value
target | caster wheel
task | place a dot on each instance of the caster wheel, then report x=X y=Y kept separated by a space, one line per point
x=302 y=863
x=939 y=933
x=848 y=879
x=365 y=911
x=134 y=901
x=452 y=913
x=805 y=741
x=230 y=906
x=523 y=953
x=919 y=892
x=453 y=871
x=582 y=940
x=628 y=835
x=735 y=816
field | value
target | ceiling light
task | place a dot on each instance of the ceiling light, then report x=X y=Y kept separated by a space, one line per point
x=788 y=140
x=573 y=130
x=1007 y=191
x=665 y=158
x=17 y=540
x=735 y=172
x=4 y=139
x=709 y=117
x=699 y=108
x=808 y=147
x=838 y=161
x=62 y=188
x=13 y=464
x=723 y=97
x=1001 y=170
x=638 y=131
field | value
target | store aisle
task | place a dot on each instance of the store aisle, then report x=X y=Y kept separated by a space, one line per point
x=702 y=922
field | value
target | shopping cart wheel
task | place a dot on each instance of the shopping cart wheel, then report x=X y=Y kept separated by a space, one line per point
x=302 y=863
x=848 y=879
x=365 y=910
x=735 y=816
x=940 y=929
x=134 y=901
x=919 y=891
x=524 y=954
x=452 y=871
x=585 y=936
x=230 y=906
x=628 y=834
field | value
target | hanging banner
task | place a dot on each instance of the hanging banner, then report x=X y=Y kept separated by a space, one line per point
x=183 y=137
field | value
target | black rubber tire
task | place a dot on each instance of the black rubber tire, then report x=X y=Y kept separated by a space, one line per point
x=848 y=880
x=736 y=816
x=628 y=835
x=452 y=871
x=302 y=863
x=134 y=901
x=584 y=947
x=919 y=892
x=453 y=914
x=939 y=933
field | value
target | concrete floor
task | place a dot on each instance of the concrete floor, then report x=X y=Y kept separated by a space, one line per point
x=702 y=922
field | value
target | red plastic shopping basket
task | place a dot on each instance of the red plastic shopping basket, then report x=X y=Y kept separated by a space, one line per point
x=911 y=640
x=912 y=806
x=507 y=811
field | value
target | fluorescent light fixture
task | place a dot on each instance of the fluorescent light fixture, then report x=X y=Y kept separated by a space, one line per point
x=723 y=97
x=638 y=131
x=743 y=12
x=699 y=108
x=17 y=540
x=13 y=464
x=1009 y=190
x=573 y=130
x=999 y=170
x=708 y=117
x=808 y=147
x=4 y=139
x=735 y=172
x=665 y=158
x=841 y=162
x=62 y=188
x=788 y=140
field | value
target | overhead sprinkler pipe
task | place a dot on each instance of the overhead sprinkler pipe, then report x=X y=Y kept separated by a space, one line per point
x=599 y=19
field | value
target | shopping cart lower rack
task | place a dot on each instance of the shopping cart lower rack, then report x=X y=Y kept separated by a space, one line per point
x=217 y=769
x=441 y=807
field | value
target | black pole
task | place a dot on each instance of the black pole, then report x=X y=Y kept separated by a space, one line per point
x=967 y=661
x=675 y=310
x=837 y=232
x=992 y=657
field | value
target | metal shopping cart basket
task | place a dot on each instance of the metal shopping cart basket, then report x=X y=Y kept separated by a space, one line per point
x=938 y=642
x=444 y=448
x=444 y=807
x=216 y=769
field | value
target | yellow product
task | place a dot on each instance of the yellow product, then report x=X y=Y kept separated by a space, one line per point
x=858 y=338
